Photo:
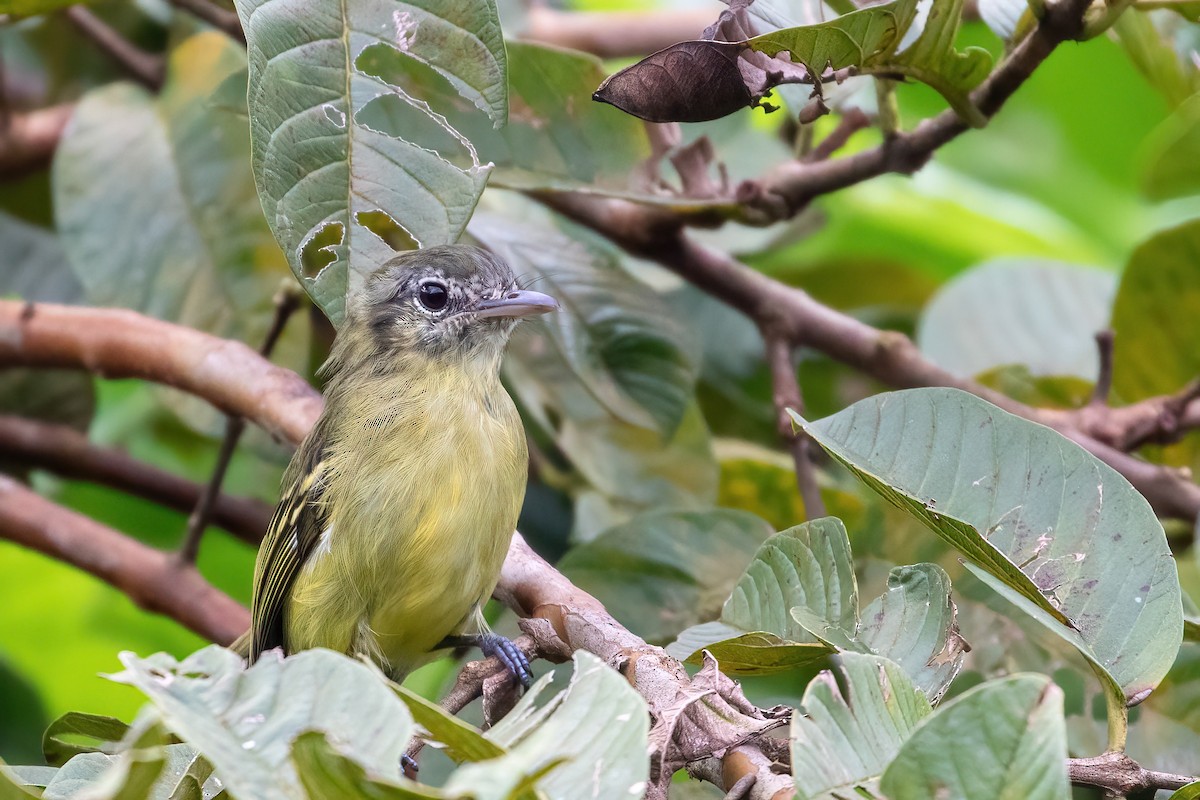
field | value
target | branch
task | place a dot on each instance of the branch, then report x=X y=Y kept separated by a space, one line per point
x=787 y=395
x=1119 y=775
x=151 y=578
x=28 y=139
x=214 y=15
x=790 y=187
x=146 y=68
x=616 y=34
x=240 y=382
x=123 y=344
x=66 y=452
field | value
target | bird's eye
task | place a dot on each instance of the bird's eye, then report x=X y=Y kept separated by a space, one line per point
x=433 y=295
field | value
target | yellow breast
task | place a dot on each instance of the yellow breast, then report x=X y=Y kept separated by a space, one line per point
x=424 y=491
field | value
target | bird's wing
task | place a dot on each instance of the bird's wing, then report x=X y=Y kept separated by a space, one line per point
x=291 y=538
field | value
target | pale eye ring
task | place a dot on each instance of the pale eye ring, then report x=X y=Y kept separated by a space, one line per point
x=433 y=295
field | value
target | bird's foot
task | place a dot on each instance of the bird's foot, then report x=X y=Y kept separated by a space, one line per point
x=493 y=644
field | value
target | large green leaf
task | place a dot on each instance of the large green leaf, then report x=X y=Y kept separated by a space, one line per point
x=1003 y=740
x=244 y=720
x=1064 y=533
x=855 y=39
x=610 y=329
x=333 y=187
x=913 y=624
x=808 y=566
x=1156 y=316
x=1038 y=313
x=846 y=738
x=680 y=564
x=155 y=206
x=590 y=739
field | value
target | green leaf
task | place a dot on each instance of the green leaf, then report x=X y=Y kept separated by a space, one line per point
x=175 y=232
x=1002 y=740
x=244 y=721
x=331 y=186
x=1156 y=316
x=913 y=624
x=592 y=737
x=1034 y=312
x=60 y=741
x=610 y=329
x=682 y=564
x=851 y=40
x=1156 y=58
x=134 y=775
x=741 y=653
x=324 y=772
x=809 y=566
x=933 y=60
x=460 y=740
x=846 y=738
x=1189 y=792
x=798 y=601
x=1066 y=534
x=35 y=776
x=1171 y=154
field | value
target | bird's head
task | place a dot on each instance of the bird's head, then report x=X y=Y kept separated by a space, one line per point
x=449 y=303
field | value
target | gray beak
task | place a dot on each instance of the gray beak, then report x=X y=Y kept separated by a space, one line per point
x=515 y=305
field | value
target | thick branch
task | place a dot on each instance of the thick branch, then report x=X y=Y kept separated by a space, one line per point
x=1119 y=775
x=66 y=452
x=151 y=578
x=123 y=344
x=28 y=139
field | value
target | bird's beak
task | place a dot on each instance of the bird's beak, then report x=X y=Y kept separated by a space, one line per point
x=517 y=304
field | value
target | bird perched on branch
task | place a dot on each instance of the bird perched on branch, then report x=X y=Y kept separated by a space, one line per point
x=398 y=508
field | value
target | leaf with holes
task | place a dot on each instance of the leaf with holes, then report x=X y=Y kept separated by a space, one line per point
x=339 y=194
x=1060 y=532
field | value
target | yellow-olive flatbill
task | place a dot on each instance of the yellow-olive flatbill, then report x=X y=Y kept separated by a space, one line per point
x=398 y=508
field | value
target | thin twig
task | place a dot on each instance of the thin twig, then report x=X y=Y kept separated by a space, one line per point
x=66 y=452
x=146 y=68
x=287 y=300
x=214 y=15
x=1104 y=378
x=852 y=121
x=786 y=392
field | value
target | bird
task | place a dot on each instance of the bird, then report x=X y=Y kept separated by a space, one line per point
x=397 y=510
